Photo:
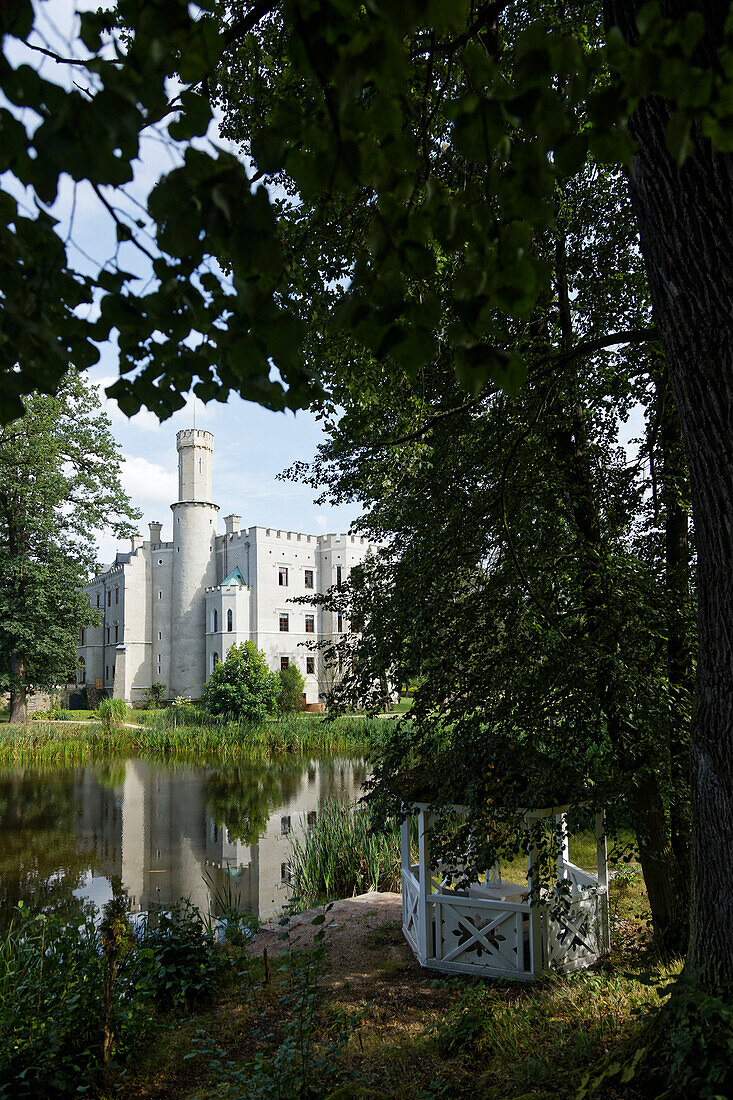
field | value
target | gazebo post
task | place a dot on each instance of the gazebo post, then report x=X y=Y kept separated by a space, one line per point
x=602 y=866
x=405 y=858
x=563 y=854
x=425 y=884
x=535 y=910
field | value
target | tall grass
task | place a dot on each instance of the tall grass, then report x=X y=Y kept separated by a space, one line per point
x=341 y=855
x=219 y=741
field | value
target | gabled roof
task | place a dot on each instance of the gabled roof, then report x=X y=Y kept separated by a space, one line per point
x=235 y=577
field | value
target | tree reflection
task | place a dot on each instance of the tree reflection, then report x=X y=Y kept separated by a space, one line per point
x=41 y=859
x=242 y=799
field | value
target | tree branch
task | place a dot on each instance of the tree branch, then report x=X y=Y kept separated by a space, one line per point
x=625 y=336
x=236 y=31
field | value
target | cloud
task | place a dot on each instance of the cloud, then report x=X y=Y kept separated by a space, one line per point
x=148 y=484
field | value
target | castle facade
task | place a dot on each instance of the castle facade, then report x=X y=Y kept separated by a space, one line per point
x=171 y=610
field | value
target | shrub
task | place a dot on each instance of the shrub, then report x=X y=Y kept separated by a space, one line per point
x=154 y=695
x=177 y=957
x=242 y=685
x=112 y=713
x=291 y=688
x=53 y=978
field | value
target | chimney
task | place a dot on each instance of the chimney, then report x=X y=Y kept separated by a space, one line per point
x=231 y=524
x=155 y=529
x=136 y=542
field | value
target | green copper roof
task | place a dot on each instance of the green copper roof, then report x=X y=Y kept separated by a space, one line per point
x=235 y=577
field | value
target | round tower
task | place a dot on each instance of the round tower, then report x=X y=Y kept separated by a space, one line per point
x=194 y=562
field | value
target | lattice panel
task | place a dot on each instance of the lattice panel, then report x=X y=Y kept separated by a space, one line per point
x=409 y=912
x=480 y=938
x=573 y=937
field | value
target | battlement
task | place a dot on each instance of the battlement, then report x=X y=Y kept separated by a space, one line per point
x=332 y=541
x=194 y=437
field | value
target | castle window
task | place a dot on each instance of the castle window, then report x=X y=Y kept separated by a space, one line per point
x=117 y=595
x=338 y=576
x=160 y=670
x=160 y=635
x=117 y=633
x=230 y=620
x=284 y=662
x=109 y=598
x=284 y=624
x=108 y=634
x=285 y=825
x=310 y=624
x=283 y=576
x=310 y=666
x=214 y=621
x=309 y=578
x=97 y=599
x=284 y=873
x=160 y=658
x=160 y=561
x=106 y=672
x=160 y=594
x=214 y=661
x=340 y=622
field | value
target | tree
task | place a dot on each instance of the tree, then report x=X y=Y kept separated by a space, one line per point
x=59 y=486
x=242 y=685
x=687 y=245
x=291 y=688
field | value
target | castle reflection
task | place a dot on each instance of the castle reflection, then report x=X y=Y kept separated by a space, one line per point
x=158 y=833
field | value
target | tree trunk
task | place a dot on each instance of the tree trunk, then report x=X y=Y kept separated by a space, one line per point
x=675 y=493
x=664 y=875
x=685 y=221
x=18 y=694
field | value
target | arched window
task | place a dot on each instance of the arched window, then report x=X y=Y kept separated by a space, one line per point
x=230 y=620
x=214 y=621
x=81 y=675
x=214 y=660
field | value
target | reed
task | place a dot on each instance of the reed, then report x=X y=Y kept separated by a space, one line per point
x=342 y=854
x=210 y=741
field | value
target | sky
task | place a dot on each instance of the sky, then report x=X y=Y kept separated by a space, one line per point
x=251 y=444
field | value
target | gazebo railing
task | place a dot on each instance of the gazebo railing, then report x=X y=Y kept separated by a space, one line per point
x=491 y=928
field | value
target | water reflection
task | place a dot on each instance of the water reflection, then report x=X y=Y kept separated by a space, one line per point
x=155 y=833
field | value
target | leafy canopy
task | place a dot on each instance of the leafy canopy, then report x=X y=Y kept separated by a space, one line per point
x=217 y=304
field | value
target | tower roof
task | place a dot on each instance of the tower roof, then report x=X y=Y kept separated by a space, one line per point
x=235 y=577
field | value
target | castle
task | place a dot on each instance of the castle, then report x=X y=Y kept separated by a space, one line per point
x=171 y=610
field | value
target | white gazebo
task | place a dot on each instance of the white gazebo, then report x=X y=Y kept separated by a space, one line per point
x=489 y=927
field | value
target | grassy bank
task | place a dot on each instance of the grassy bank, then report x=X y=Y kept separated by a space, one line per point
x=44 y=743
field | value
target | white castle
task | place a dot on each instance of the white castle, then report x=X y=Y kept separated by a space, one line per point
x=171 y=610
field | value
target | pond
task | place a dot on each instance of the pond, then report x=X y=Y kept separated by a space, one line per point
x=71 y=838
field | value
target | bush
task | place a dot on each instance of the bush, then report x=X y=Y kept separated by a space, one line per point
x=242 y=686
x=53 y=1014
x=154 y=695
x=291 y=688
x=112 y=713
x=177 y=958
